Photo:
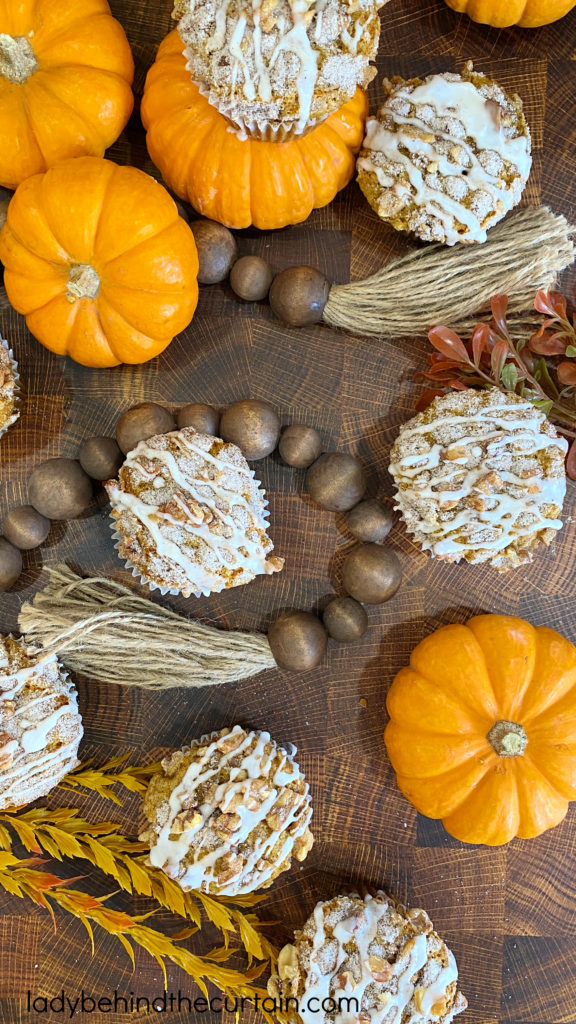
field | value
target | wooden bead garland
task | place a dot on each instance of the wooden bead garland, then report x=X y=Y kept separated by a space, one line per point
x=335 y=480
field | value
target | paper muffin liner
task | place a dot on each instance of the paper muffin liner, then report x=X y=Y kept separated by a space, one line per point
x=259 y=129
x=176 y=591
x=14 y=367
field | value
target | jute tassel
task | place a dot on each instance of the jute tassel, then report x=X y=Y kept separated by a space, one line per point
x=447 y=285
x=103 y=629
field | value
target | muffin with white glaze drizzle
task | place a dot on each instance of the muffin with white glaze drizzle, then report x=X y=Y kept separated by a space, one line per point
x=446 y=157
x=8 y=387
x=480 y=476
x=228 y=813
x=189 y=516
x=369 y=961
x=40 y=725
x=276 y=68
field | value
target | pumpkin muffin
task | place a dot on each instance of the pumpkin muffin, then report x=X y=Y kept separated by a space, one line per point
x=480 y=477
x=446 y=157
x=8 y=387
x=228 y=813
x=276 y=68
x=384 y=963
x=40 y=725
x=189 y=517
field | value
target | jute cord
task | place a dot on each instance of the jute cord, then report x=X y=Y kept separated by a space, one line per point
x=101 y=628
x=447 y=285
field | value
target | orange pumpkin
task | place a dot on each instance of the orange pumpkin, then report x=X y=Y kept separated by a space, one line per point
x=236 y=181
x=65 y=83
x=100 y=263
x=482 y=730
x=502 y=13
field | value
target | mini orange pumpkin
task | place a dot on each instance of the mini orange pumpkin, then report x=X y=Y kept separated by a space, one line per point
x=482 y=730
x=236 y=181
x=100 y=263
x=502 y=13
x=65 y=83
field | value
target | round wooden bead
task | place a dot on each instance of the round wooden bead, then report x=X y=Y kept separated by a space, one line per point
x=298 y=295
x=298 y=641
x=59 y=489
x=336 y=481
x=371 y=573
x=141 y=422
x=204 y=418
x=250 y=278
x=217 y=250
x=25 y=528
x=370 y=521
x=253 y=425
x=101 y=458
x=345 y=619
x=300 y=446
x=10 y=564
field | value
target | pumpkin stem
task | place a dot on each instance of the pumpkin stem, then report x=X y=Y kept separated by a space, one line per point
x=508 y=739
x=83 y=282
x=17 y=58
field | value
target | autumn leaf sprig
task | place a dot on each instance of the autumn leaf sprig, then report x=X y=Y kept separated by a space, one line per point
x=541 y=369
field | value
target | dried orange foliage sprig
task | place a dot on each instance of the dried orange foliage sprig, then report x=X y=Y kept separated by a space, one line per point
x=542 y=368
x=64 y=833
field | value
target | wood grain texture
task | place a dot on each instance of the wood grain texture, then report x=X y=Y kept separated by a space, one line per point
x=508 y=914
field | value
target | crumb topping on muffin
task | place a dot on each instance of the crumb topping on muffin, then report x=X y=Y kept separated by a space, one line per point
x=290 y=61
x=368 y=960
x=228 y=813
x=40 y=725
x=189 y=515
x=446 y=157
x=8 y=387
x=480 y=476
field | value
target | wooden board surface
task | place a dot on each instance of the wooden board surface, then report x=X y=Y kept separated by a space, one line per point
x=509 y=913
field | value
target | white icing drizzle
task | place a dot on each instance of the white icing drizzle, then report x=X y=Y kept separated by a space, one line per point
x=296 y=41
x=242 y=545
x=169 y=850
x=410 y=993
x=459 y=100
x=487 y=434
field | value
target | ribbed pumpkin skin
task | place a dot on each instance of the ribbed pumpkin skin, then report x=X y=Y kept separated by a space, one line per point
x=462 y=679
x=90 y=212
x=242 y=182
x=503 y=13
x=78 y=100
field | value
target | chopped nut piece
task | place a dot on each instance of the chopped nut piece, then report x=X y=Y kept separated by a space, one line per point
x=379 y=968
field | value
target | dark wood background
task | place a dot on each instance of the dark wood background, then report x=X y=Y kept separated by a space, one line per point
x=508 y=913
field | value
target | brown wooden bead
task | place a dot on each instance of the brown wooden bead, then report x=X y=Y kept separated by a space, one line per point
x=204 y=418
x=217 y=250
x=345 y=619
x=370 y=521
x=25 y=528
x=10 y=564
x=298 y=295
x=336 y=481
x=141 y=422
x=253 y=425
x=371 y=573
x=59 y=489
x=298 y=641
x=300 y=446
x=101 y=458
x=250 y=278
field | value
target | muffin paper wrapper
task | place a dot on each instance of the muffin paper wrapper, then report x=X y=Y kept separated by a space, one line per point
x=14 y=365
x=256 y=128
x=177 y=592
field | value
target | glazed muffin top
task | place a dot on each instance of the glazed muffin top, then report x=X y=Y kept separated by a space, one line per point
x=288 y=61
x=370 y=961
x=480 y=476
x=8 y=387
x=446 y=157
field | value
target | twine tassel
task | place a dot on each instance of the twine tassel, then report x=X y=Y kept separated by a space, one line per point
x=104 y=630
